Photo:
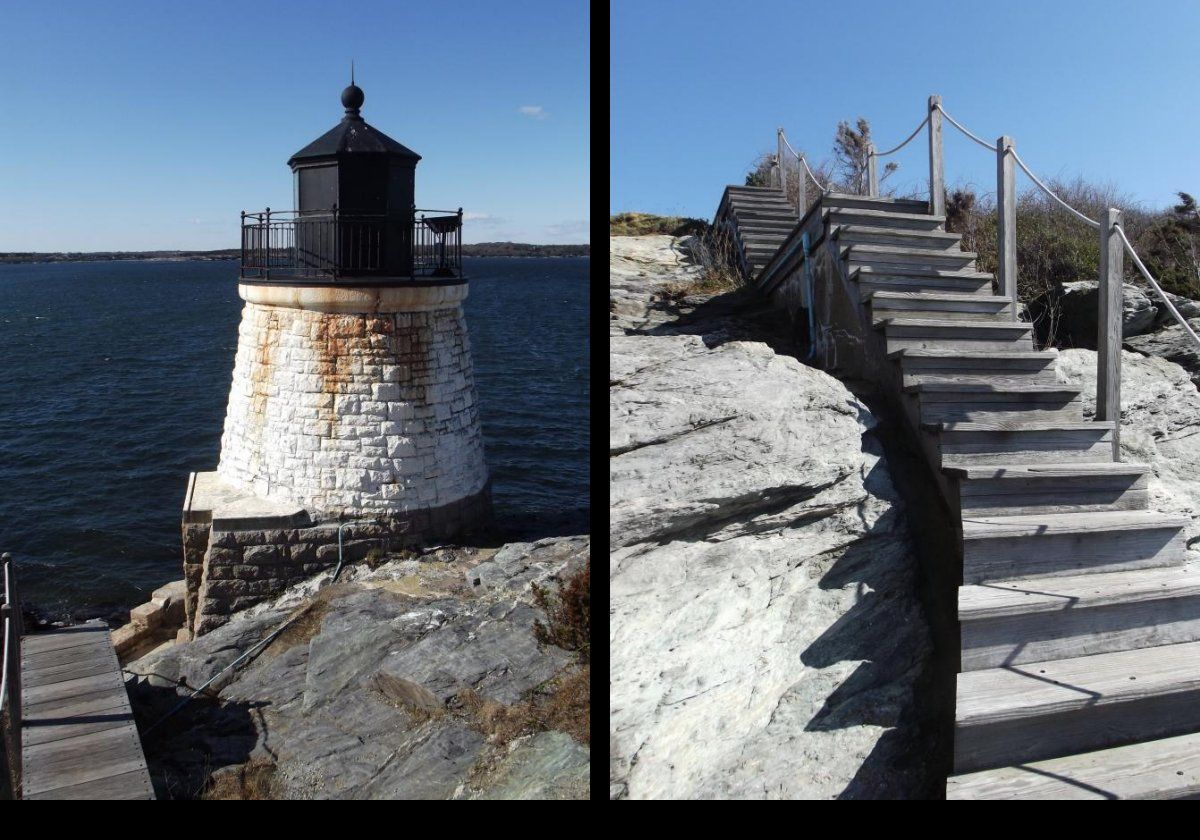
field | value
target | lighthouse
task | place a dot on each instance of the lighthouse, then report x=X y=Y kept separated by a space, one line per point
x=352 y=420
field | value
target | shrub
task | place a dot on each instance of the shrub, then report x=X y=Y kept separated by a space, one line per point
x=644 y=224
x=568 y=613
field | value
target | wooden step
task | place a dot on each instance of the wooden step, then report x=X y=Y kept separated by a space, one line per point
x=1003 y=443
x=1041 y=619
x=769 y=228
x=939 y=306
x=976 y=402
x=884 y=218
x=863 y=202
x=1014 y=489
x=935 y=240
x=1166 y=768
x=757 y=215
x=881 y=257
x=941 y=334
x=871 y=280
x=1043 y=710
x=958 y=366
x=1048 y=544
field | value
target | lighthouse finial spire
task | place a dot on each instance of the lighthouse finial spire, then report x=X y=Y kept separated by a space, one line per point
x=352 y=71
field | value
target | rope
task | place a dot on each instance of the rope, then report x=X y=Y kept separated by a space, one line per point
x=1050 y=192
x=960 y=127
x=1141 y=267
x=802 y=160
x=906 y=141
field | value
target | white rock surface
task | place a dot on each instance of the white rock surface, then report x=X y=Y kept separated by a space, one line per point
x=765 y=632
x=1172 y=343
x=1160 y=426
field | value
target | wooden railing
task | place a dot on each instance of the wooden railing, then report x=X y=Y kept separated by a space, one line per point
x=1113 y=243
x=10 y=684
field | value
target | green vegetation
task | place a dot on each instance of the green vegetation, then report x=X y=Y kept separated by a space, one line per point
x=644 y=224
x=1053 y=247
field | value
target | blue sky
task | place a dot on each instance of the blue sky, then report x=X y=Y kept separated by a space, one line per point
x=144 y=125
x=1106 y=90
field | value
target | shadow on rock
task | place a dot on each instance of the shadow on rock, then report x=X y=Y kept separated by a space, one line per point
x=205 y=735
x=739 y=315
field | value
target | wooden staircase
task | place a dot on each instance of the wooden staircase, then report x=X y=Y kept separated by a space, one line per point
x=1080 y=624
x=760 y=219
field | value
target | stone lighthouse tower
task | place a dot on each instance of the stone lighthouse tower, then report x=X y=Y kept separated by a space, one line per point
x=353 y=399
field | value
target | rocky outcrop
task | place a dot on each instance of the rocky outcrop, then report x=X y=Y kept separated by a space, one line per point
x=1172 y=343
x=650 y=294
x=1160 y=426
x=766 y=637
x=1078 y=310
x=421 y=678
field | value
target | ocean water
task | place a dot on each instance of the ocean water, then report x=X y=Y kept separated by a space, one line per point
x=113 y=382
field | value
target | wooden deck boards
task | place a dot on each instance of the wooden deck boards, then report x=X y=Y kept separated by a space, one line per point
x=78 y=736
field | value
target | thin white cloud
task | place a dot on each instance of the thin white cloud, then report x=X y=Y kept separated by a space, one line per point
x=537 y=112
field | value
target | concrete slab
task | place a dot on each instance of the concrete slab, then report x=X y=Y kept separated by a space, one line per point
x=231 y=508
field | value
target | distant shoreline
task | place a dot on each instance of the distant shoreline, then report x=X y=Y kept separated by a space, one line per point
x=482 y=249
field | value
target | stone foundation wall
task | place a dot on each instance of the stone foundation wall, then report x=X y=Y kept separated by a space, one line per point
x=350 y=414
x=240 y=567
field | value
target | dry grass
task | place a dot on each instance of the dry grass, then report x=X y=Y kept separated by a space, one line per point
x=715 y=253
x=253 y=780
x=562 y=705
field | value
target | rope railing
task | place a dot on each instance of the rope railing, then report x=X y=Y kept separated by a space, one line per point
x=1052 y=194
x=803 y=161
x=961 y=128
x=1111 y=268
x=1154 y=284
x=906 y=141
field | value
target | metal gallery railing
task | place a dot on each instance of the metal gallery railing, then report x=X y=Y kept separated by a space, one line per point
x=10 y=682
x=1114 y=244
x=334 y=245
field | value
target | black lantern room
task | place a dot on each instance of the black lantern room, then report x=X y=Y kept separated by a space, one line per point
x=355 y=218
x=354 y=167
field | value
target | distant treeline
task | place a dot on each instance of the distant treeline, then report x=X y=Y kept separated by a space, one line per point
x=521 y=249
x=481 y=249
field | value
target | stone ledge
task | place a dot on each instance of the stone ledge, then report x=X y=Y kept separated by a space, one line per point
x=211 y=499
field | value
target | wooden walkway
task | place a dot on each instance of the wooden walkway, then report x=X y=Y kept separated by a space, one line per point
x=79 y=739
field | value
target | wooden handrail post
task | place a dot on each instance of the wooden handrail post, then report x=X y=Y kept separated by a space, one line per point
x=1006 y=211
x=937 y=176
x=779 y=180
x=802 y=193
x=1108 y=327
x=872 y=171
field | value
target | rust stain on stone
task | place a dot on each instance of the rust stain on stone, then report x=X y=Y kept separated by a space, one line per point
x=262 y=371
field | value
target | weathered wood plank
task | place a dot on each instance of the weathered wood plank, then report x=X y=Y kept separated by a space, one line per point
x=77 y=653
x=134 y=784
x=45 y=730
x=90 y=667
x=1047 y=709
x=1006 y=231
x=39 y=696
x=62 y=639
x=937 y=177
x=1168 y=768
x=1109 y=329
